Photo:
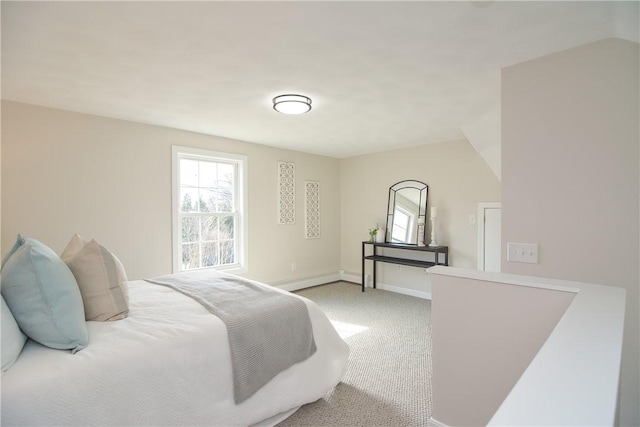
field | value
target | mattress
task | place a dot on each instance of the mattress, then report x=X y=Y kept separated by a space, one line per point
x=168 y=363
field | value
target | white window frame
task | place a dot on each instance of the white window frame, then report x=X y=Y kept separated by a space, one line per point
x=240 y=161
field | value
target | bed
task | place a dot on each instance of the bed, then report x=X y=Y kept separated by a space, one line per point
x=167 y=363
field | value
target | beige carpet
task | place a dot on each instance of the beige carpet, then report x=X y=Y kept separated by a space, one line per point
x=388 y=382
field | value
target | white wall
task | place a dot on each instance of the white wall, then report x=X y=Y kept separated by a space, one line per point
x=544 y=352
x=66 y=173
x=458 y=178
x=570 y=152
x=479 y=348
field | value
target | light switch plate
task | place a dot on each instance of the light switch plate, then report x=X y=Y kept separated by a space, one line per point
x=522 y=252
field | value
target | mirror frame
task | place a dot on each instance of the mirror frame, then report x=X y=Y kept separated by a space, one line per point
x=422 y=211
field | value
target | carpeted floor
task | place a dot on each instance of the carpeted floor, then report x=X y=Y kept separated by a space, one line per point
x=388 y=382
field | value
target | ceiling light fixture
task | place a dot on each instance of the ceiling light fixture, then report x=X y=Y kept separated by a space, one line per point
x=292 y=104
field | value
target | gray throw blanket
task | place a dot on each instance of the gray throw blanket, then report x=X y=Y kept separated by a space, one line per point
x=268 y=331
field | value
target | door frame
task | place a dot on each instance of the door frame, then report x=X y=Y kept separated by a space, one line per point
x=482 y=206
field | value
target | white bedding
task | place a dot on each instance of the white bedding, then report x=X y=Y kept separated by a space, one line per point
x=168 y=363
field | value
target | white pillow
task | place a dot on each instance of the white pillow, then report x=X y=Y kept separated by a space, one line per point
x=101 y=279
x=12 y=338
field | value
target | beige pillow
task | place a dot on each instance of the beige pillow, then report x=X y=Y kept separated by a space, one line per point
x=101 y=279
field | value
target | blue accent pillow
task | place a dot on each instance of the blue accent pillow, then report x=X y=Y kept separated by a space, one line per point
x=12 y=338
x=44 y=296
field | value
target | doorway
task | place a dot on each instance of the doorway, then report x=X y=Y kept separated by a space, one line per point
x=489 y=236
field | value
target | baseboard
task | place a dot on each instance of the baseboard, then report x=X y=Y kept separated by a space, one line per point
x=356 y=278
x=405 y=291
x=308 y=282
x=353 y=278
x=435 y=423
x=347 y=277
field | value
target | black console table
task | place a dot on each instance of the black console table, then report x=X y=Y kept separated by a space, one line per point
x=436 y=250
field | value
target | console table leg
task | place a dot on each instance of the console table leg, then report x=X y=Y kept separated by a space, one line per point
x=363 y=275
x=374 y=274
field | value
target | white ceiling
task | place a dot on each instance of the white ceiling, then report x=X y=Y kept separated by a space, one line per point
x=381 y=75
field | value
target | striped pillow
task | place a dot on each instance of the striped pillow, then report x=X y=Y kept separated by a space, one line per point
x=101 y=279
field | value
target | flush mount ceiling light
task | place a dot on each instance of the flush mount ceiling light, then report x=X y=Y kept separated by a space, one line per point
x=292 y=104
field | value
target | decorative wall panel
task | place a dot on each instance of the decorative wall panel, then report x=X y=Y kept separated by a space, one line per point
x=312 y=209
x=287 y=193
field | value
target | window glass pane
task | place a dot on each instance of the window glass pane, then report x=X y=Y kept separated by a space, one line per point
x=190 y=232
x=226 y=172
x=209 y=228
x=225 y=181
x=227 y=228
x=190 y=256
x=225 y=201
x=227 y=252
x=210 y=254
x=188 y=173
x=207 y=200
x=208 y=174
x=188 y=199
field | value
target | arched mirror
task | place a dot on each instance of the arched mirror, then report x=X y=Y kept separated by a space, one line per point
x=406 y=213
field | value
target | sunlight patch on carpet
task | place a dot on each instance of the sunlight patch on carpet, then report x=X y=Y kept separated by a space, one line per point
x=346 y=330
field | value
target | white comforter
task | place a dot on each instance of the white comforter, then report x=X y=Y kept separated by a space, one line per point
x=168 y=363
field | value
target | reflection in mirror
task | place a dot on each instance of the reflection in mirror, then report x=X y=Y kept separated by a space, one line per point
x=406 y=213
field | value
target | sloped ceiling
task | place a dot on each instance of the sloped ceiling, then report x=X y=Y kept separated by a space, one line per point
x=381 y=75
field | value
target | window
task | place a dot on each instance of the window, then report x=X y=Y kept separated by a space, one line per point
x=402 y=225
x=209 y=221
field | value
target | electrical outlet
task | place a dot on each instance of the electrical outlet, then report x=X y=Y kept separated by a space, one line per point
x=293 y=266
x=522 y=252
